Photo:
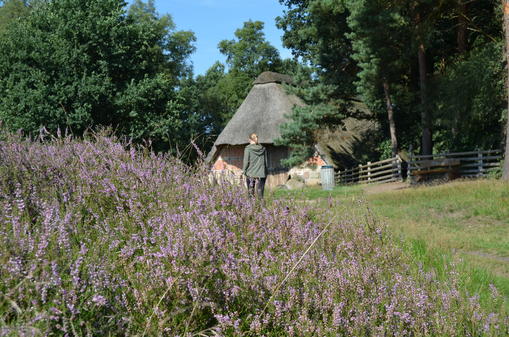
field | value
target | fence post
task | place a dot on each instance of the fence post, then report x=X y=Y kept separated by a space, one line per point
x=360 y=173
x=409 y=167
x=480 y=163
x=369 y=171
x=398 y=160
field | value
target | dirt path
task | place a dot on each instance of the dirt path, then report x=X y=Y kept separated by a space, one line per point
x=380 y=188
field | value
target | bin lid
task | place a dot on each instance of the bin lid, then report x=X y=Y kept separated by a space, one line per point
x=327 y=167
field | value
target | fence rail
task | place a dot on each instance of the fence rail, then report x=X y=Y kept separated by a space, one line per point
x=471 y=164
x=380 y=171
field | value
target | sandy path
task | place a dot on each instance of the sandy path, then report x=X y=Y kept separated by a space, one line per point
x=380 y=188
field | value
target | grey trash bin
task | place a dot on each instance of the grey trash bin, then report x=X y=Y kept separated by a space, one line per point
x=327 y=177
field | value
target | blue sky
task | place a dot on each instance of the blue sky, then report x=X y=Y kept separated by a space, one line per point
x=216 y=20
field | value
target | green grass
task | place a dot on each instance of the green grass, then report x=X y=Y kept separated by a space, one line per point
x=469 y=217
x=465 y=223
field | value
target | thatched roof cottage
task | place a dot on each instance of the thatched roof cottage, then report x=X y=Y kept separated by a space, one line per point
x=262 y=112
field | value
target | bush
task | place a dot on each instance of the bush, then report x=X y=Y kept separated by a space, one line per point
x=496 y=172
x=99 y=238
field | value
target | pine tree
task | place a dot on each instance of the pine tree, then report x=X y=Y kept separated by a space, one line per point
x=379 y=39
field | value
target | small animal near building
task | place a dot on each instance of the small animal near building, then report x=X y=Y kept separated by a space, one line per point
x=265 y=108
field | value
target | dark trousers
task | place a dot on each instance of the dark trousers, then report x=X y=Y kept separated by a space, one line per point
x=258 y=183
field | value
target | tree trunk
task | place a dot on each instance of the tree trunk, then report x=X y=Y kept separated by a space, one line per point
x=505 y=174
x=426 y=145
x=461 y=36
x=390 y=115
x=461 y=45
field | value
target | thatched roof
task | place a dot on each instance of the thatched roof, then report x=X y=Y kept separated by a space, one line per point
x=265 y=109
x=262 y=112
x=344 y=146
x=272 y=77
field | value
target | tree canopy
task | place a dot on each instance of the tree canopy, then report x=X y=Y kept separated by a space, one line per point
x=10 y=11
x=79 y=64
x=430 y=71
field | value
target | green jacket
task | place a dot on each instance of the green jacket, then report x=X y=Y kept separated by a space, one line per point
x=255 y=161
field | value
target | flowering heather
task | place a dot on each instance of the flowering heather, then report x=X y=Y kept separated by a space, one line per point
x=97 y=238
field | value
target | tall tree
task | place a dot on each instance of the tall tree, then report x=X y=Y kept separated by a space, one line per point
x=317 y=33
x=381 y=55
x=467 y=86
x=172 y=47
x=424 y=14
x=462 y=33
x=250 y=53
x=444 y=61
x=427 y=140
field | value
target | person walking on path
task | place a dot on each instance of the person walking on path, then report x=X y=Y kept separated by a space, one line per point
x=255 y=166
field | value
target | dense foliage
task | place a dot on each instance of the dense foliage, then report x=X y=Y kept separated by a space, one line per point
x=97 y=238
x=430 y=71
x=73 y=64
x=322 y=110
x=11 y=10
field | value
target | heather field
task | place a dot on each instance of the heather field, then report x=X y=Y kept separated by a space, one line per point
x=465 y=222
x=98 y=239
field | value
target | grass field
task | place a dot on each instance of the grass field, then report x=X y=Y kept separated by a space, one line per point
x=465 y=223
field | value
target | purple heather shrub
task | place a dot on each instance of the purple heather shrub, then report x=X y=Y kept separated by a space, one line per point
x=101 y=238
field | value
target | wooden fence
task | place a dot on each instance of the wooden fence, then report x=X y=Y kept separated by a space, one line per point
x=472 y=163
x=378 y=172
